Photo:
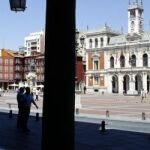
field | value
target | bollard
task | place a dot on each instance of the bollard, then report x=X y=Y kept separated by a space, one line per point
x=103 y=126
x=10 y=113
x=143 y=116
x=107 y=113
x=37 y=117
x=77 y=111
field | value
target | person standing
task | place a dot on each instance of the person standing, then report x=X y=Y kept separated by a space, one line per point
x=20 y=106
x=84 y=89
x=27 y=101
x=142 y=95
x=36 y=95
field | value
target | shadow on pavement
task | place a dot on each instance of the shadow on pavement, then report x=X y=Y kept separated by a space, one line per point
x=89 y=137
x=12 y=138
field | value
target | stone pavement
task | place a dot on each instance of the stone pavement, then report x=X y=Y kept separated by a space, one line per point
x=88 y=135
x=125 y=128
x=117 y=105
x=13 y=139
x=10 y=99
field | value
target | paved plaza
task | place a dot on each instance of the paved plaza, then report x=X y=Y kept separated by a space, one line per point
x=89 y=137
x=117 y=106
x=124 y=128
x=8 y=101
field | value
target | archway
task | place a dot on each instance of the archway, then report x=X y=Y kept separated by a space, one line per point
x=125 y=83
x=145 y=60
x=114 y=84
x=122 y=61
x=138 y=83
x=112 y=62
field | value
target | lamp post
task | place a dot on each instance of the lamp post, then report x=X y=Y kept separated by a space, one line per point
x=17 y=5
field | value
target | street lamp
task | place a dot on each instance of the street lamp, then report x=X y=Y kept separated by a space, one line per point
x=17 y=5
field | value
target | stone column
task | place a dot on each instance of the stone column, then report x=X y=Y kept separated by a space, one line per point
x=149 y=86
x=144 y=79
x=3 y=85
x=120 y=84
x=59 y=88
x=132 y=90
x=109 y=83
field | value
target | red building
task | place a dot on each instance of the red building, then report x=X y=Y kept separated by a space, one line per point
x=80 y=74
x=14 y=67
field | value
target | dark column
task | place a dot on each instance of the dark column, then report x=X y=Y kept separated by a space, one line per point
x=58 y=105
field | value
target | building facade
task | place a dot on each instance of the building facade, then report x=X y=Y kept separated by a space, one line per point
x=7 y=72
x=117 y=62
x=34 y=43
x=14 y=67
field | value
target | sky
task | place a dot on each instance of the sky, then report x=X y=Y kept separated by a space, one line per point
x=15 y=26
x=93 y=14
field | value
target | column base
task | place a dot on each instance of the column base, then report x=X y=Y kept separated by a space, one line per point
x=132 y=92
x=78 y=101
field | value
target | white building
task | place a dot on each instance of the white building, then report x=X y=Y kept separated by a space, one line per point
x=35 y=42
x=119 y=63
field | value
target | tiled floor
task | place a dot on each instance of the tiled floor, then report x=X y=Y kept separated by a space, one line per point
x=13 y=139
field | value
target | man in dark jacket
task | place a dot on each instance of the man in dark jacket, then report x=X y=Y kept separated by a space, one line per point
x=20 y=107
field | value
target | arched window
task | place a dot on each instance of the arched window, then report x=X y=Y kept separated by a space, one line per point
x=122 y=61
x=133 y=61
x=111 y=62
x=145 y=60
x=132 y=25
x=96 y=64
x=115 y=84
x=102 y=42
x=96 y=42
x=90 y=43
x=140 y=24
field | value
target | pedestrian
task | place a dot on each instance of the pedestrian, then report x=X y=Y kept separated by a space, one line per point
x=84 y=89
x=36 y=95
x=27 y=101
x=142 y=95
x=20 y=105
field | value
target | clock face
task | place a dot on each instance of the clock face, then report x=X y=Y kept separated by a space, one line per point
x=132 y=13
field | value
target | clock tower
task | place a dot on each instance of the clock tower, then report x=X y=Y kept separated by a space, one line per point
x=135 y=17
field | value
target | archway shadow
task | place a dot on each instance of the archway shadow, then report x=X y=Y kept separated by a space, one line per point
x=89 y=137
x=12 y=138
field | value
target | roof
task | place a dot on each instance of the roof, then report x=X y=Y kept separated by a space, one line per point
x=143 y=37
x=103 y=30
